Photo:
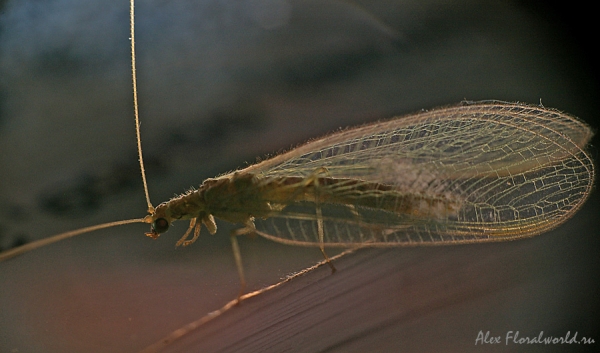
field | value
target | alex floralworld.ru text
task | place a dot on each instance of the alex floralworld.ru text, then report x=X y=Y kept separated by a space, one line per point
x=513 y=337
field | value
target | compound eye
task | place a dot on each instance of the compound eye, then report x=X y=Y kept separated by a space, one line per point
x=160 y=225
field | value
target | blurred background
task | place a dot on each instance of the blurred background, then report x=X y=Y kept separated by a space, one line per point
x=223 y=82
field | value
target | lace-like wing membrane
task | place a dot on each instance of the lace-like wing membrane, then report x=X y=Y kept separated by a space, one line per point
x=470 y=173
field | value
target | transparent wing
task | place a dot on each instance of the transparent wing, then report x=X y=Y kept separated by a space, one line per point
x=475 y=172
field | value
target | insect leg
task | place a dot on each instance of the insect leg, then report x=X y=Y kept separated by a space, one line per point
x=249 y=228
x=183 y=240
x=238 y=263
x=320 y=230
x=196 y=235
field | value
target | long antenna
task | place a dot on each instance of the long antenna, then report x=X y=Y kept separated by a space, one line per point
x=135 y=104
x=5 y=255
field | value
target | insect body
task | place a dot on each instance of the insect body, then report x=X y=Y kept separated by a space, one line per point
x=471 y=173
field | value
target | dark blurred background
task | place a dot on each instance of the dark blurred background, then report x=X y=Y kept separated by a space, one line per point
x=224 y=82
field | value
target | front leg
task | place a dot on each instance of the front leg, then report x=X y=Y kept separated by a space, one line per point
x=207 y=220
x=196 y=227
